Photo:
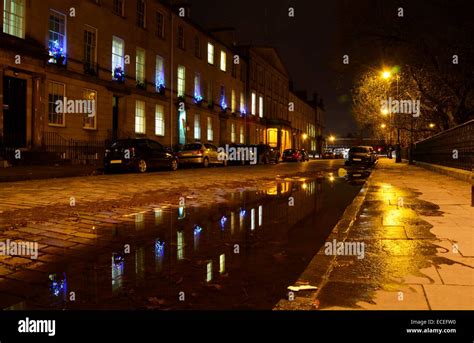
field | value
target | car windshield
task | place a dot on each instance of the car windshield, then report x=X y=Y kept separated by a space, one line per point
x=192 y=147
x=359 y=149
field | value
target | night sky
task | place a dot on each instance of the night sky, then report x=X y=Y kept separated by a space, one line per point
x=308 y=44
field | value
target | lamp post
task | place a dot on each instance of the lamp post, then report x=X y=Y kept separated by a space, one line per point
x=387 y=75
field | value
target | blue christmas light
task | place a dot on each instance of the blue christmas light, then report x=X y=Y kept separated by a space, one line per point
x=119 y=74
x=198 y=98
x=160 y=83
x=223 y=103
x=243 y=212
x=56 y=52
x=197 y=230
x=223 y=221
x=159 y=248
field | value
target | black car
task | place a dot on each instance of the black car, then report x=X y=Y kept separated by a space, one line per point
x=361 y=155
x=291 y=155
x=304 y=155
x=267 y=154
x=139 y=154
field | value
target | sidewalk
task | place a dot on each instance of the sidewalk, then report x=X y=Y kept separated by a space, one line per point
x=417 y=229
x=34 y=172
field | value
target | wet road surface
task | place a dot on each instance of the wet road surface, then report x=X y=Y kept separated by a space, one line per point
x=238 y=254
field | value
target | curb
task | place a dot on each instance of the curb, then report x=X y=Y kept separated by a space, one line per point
x=460 y=174
x=321 y=266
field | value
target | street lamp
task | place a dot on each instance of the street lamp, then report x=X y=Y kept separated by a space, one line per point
x=432 y=125
x=384 y=112
x=383 y=126
x=304 y=136
x=332 y=139
x=386 y=74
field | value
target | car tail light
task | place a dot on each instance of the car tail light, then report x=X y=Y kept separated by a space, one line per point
x=199 y=152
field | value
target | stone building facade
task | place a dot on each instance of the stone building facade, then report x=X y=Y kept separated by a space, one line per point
x=145 y=70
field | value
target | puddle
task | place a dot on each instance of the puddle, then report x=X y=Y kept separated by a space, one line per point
x=236 y=256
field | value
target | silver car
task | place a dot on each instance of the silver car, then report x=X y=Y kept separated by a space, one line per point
x=200 y=153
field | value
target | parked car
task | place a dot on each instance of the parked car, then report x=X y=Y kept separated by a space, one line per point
x=138 y=154
x=304 y=155
x=339 y=155
x=267 y=154
x=291 y=155
x=361 y=155
x=328 y=154
x=199 y=153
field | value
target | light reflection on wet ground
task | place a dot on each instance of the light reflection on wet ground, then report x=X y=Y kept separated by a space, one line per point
x=399 y=249
x=236 y=256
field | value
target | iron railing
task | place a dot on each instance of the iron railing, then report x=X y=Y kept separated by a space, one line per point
x=452 y=148
x=74 y=150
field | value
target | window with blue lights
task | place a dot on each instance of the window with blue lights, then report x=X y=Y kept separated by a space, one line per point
x=57 y=38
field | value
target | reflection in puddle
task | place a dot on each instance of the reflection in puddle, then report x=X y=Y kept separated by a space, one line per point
x=225 y=257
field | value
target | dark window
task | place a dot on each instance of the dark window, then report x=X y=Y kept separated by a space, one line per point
x=180 y=37
x=234 y=69
x=141 y=13
x=197 y=47
x=118 y=7
x=160 y=25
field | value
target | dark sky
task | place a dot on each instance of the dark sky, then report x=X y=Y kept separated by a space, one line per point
x=307 y=43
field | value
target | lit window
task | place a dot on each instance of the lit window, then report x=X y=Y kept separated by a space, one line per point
x=56 y=92
x=90 y=119
x=210 y=53
x=197 y=87
x=223 y=61
x=254 y=103
x=210 y=132
x=181 y=80
x=232 y=101
x=140 y=66
x=14 y=18
x=260 y=106
x=197 y=126
x=159 y=74
x=159 y=120
x=57 y=37
x=242 y=137
x=232 y=133
x=242 y=103
x=140 y=117
x=118 y=49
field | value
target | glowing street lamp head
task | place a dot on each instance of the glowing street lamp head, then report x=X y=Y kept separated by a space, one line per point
x=383 y=126
x=432 y=125
x=384 y=112
x=386 y=74
x=332 y=138
x=304 y=136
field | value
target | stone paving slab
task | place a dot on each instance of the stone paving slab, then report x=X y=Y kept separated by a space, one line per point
x=418 y=250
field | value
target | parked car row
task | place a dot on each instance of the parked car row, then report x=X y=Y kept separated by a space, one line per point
x=143 y=154
x=295 y=155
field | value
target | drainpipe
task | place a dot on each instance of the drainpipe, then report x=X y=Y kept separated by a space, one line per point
x=171 y=79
